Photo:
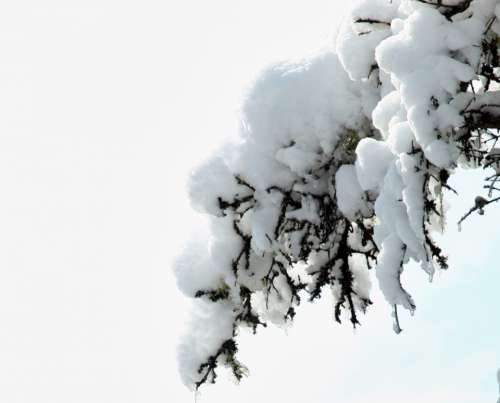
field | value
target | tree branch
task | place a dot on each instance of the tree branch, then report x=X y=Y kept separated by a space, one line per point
x=483 y=111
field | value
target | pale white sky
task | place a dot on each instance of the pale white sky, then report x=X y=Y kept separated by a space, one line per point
x=104 y=107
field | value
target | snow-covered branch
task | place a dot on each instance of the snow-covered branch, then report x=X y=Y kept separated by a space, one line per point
x=341 y=164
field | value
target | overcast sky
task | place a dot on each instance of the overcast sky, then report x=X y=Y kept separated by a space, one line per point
x=104 y=108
